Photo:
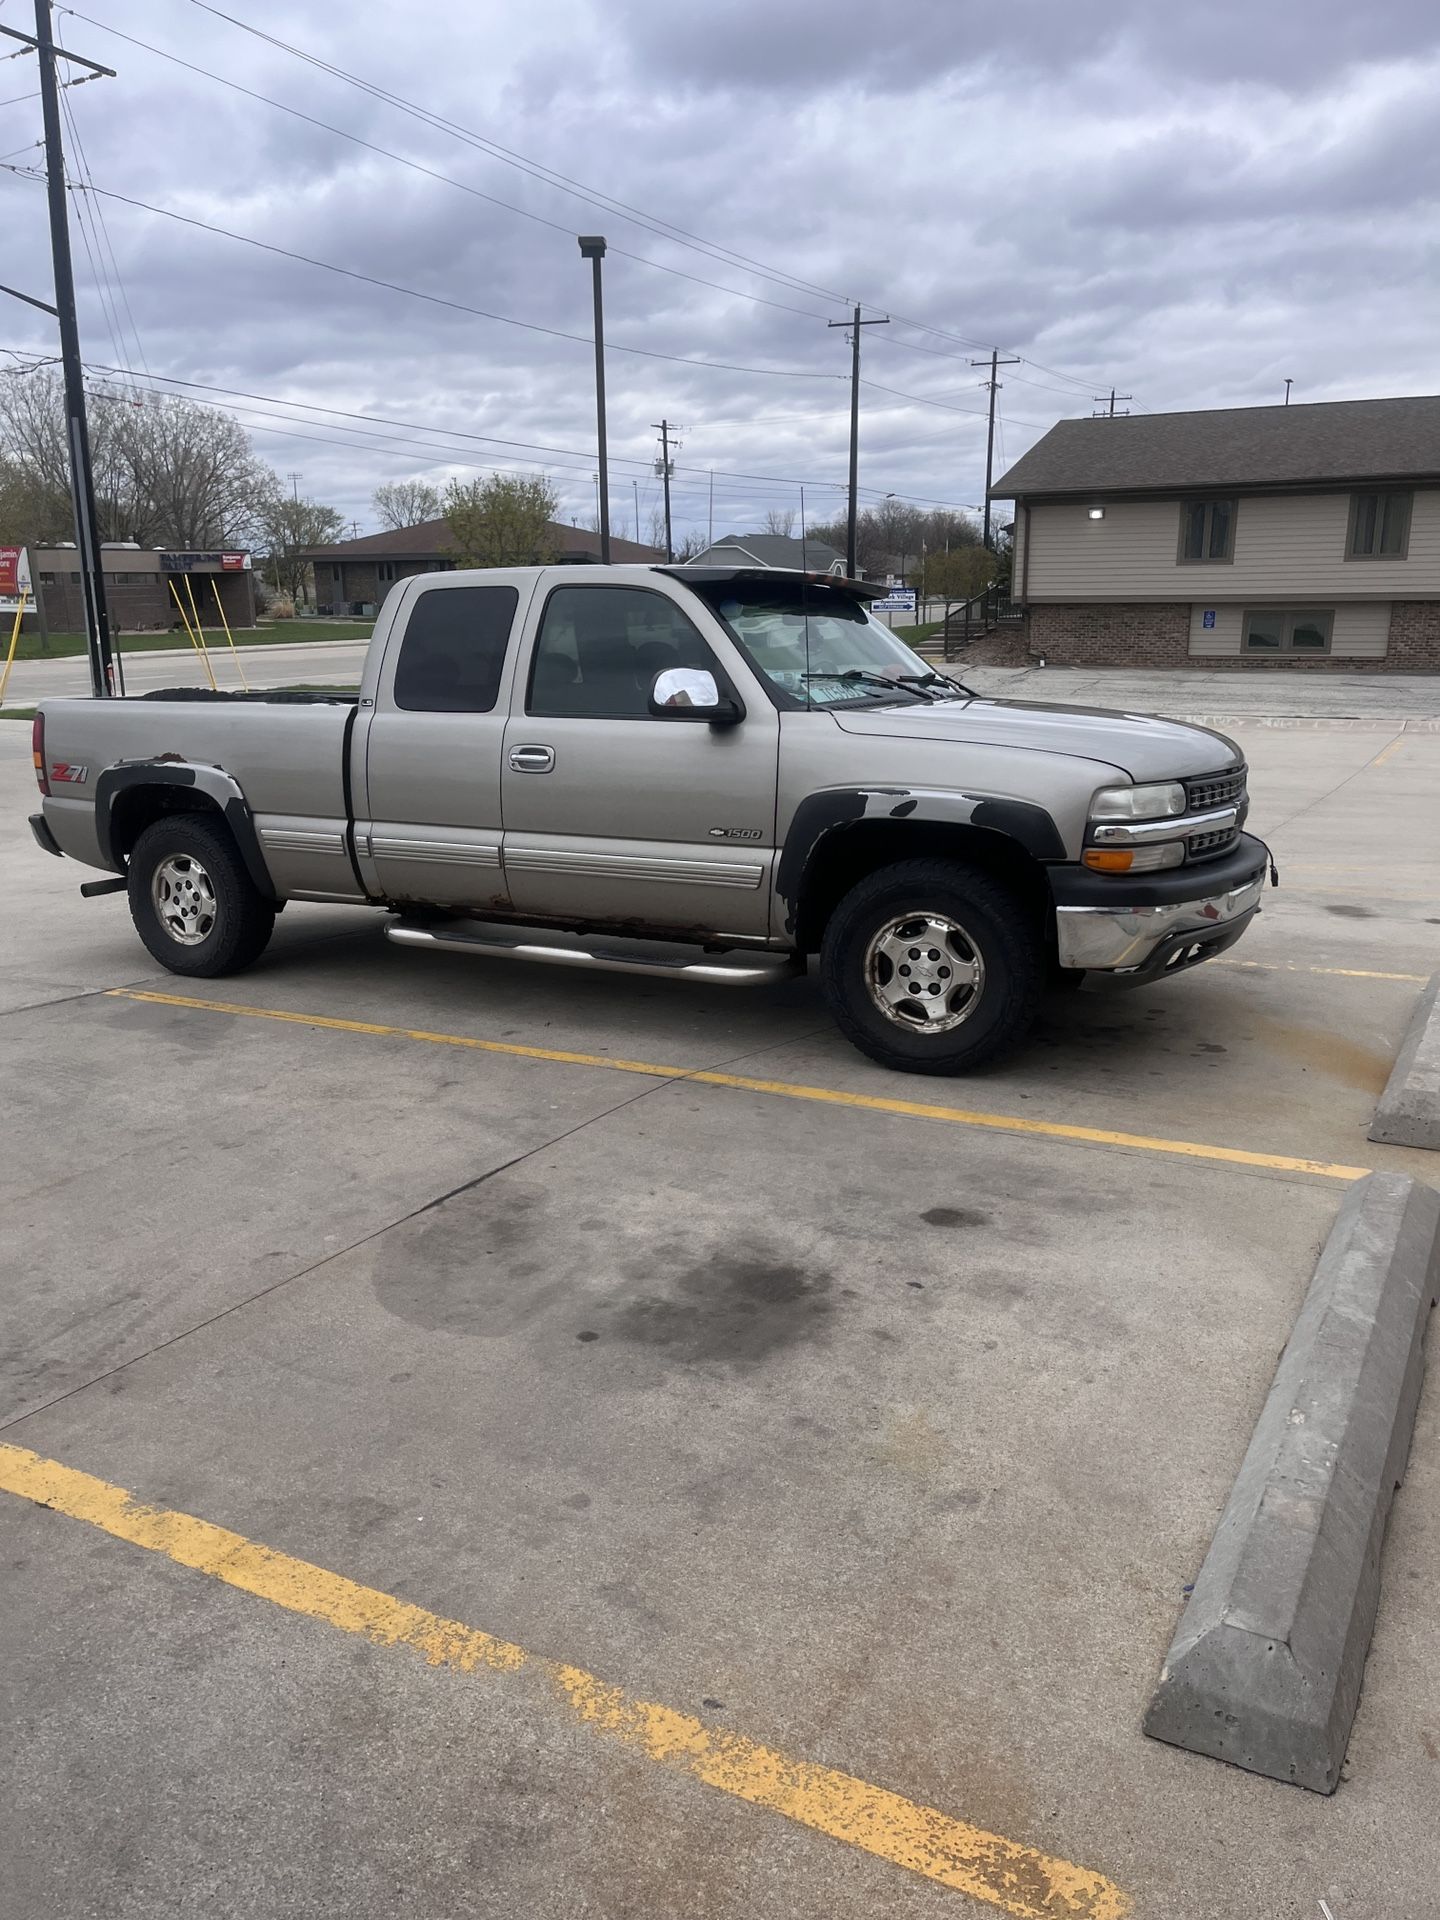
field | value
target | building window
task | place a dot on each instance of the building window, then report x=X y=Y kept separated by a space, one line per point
x=1287 y=630
x=1379 y=526
x=385 y=571
x=47 y=579
x=335 y=575
x=1207 y=530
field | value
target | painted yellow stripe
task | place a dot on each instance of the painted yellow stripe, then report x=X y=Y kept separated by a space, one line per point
x=1017 y=1879
x=1341 y=973
x=1387 y=753
x=781 y=1089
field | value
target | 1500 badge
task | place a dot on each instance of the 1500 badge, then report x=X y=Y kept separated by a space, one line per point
x=735 y=833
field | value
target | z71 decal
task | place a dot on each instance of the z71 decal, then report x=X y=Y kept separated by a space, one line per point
x=63 y=771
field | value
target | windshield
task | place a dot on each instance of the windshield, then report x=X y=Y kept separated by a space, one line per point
x=817 y=647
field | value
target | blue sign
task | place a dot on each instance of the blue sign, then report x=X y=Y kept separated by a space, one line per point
x=1207 y=618
x=897 y=600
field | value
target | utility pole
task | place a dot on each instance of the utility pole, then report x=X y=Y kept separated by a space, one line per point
x=77 y=427
x=856 y=323
x=1106 y=404
x=635 y=486
x=710 y=523
x=294 y=479
x=664 y=466
x=993 y=383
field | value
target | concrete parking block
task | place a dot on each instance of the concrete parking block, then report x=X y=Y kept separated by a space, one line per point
x=1409 y=1111
x=1266 y=1665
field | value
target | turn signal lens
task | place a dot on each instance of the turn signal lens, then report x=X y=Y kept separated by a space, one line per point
x=37 y=752
x=1169 y=853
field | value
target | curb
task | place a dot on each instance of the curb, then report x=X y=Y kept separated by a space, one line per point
x=1265 y=1667
x=1409 y=1111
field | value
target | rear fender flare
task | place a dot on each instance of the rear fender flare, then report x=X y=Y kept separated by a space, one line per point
x=220 y=789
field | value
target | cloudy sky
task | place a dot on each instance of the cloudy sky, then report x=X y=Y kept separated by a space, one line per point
x=1188 y=205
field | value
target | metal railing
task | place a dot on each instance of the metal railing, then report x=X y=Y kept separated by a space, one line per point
x=988 y=610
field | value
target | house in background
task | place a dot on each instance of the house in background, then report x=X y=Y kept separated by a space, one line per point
x=138 y=594
x=771 y=550
x=1256 y=536
x=354 y=576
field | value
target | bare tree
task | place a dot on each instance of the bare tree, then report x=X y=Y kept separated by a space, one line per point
x=502 y=522
x=780 y=520
x=405 y=503
x=168 y=472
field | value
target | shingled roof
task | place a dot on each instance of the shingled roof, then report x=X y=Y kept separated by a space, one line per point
x=1329 y=443
x=433 y=540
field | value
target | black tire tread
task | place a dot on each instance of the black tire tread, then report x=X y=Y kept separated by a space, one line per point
x=245 y=920
x=1015 y=970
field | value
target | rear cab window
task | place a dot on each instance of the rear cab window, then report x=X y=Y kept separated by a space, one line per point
x=452 y=655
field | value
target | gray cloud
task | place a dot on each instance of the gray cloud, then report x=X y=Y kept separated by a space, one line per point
x=1190 y=206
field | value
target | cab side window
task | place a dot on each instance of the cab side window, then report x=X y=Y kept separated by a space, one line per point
x=600 y=648
x=453 y=652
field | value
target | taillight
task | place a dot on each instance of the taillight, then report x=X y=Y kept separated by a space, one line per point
x=37 y=753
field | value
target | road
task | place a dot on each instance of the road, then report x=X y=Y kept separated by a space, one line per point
x=329 y=661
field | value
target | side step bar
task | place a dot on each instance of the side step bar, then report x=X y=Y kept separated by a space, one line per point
x=617 y=957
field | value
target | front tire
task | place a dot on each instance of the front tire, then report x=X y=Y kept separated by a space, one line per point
x=931 y=966
x=192 y=901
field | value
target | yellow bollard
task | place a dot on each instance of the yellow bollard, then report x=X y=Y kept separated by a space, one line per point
x=220 y=609
x=190 y=633
x=14 y=642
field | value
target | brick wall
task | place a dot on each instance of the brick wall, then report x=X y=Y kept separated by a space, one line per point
x=1147 y=634
x=1157 y=634
x=1414 y=637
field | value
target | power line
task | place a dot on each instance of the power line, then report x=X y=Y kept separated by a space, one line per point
x=653 y=223
x=433 y=173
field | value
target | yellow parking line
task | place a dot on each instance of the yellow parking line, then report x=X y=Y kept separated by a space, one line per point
x=1017 y=1879
x=783 y=1089
x=1386 y=753
x=1343 y=973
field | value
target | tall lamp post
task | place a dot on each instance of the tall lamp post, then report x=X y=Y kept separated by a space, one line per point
x=592 y=248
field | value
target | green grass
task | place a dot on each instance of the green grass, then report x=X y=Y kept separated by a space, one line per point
x=17 y=713
x=912 y=636
x=270 y=633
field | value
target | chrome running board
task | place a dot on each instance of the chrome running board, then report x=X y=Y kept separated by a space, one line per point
x=658 y=962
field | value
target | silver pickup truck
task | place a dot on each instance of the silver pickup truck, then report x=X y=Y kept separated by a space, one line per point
x=708 y=772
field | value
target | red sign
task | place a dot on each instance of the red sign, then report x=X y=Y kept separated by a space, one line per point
x=232 y=563
x=10 y=569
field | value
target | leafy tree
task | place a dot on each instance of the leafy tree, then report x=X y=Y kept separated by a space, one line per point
x=780 y=520
x=504 y=521
x=405 y=503
x=288 y=526
x=959 y=574
x=895 y=535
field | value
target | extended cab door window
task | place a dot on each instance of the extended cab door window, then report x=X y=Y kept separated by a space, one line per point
x=432 y=759
x=617 y=815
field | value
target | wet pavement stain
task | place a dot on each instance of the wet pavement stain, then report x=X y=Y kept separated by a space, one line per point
x=735 y=1308
x=955 y=1217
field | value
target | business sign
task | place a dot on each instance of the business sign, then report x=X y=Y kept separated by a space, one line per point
x=204 y=563
x=1207 y=618
x=14 y=579
x=898 y=600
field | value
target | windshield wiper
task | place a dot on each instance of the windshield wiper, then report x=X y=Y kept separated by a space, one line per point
x=862 y=676
x=939 y=679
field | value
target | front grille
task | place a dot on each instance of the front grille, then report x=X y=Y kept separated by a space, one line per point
x=1201 y=846
x=1212 y=790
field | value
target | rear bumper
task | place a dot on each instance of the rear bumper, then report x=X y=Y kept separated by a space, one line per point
x=1145 y=938
x=44 y=838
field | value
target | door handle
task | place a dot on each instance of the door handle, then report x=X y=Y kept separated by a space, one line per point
x=532 y=759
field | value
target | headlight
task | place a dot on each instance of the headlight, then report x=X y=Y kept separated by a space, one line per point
x=1147 y=859
x=1138 y=803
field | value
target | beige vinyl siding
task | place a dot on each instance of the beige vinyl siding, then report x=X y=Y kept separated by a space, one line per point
x=1288 y=547
x=1361 y=629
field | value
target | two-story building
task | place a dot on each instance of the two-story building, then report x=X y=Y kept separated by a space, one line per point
x=1255 y=536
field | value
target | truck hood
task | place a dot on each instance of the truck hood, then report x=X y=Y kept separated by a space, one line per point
x=1140 y=744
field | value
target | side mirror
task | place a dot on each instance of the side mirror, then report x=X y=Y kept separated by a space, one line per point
x=691 y=693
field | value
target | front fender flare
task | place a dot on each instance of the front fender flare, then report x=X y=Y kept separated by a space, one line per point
x=219 y=787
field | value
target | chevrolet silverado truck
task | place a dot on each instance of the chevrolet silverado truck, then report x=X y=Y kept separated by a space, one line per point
x=708 y=772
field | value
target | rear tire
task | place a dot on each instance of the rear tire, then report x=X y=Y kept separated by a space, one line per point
x=971 y=958
x=192 y=901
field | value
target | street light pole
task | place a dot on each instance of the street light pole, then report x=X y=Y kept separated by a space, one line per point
x=77 y=429
x=592 y=248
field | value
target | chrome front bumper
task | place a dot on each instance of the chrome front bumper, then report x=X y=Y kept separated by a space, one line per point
x=1124 y=940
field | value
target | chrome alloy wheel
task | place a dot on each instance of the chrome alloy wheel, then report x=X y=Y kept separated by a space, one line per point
x=183 y=896
x=924 y=971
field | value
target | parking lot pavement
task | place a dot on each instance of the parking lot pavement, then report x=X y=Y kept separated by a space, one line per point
x=847 y=1443
x=327 y=662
